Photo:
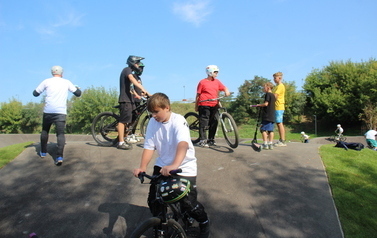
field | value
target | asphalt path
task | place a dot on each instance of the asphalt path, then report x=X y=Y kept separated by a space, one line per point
x=276 y=193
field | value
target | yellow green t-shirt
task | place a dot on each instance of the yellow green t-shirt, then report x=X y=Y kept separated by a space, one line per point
x=280 y=100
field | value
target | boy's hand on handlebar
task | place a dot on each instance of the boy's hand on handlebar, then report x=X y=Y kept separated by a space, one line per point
x=166 y=169
x=136 y=172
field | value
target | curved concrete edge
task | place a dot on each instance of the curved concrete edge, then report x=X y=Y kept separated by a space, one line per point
x=11 y=139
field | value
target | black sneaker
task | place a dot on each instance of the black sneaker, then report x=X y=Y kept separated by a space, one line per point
x=204 y=229
x=124 y=146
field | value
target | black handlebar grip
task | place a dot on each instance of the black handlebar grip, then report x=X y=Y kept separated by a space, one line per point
x=141 y=177
x=175 y=171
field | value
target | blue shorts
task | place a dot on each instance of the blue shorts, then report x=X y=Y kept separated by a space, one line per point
x=267 y=126
x=279 y=116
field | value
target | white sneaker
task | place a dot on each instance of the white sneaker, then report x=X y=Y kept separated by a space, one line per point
x=203 y=143
x=279 y=143
x=132 y=139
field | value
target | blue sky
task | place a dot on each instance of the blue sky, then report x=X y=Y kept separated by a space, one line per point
x=91 y=40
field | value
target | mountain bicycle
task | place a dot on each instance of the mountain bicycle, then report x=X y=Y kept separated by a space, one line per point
x=173 y=221
x=337 y=138
x=104 y=126
x=228 y=125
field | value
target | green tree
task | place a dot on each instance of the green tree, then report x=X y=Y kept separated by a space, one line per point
x=369 y=115
x=294 y=103
x=10 y=116
x=340 y=92
x=31 y=121
x=82 y=110
x=250 y=92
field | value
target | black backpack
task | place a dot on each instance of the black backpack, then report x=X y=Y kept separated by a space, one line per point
x=350 y=145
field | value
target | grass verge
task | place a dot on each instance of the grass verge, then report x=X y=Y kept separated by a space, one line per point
x=352 y=177
x=8 y=153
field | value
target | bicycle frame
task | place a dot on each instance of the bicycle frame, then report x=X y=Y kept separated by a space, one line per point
x=220 y=111
x=227 y=123
x=105 y=125
x=137 y=112
x=177 y=213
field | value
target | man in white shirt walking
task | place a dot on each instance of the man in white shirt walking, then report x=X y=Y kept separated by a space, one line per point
x=55 y=109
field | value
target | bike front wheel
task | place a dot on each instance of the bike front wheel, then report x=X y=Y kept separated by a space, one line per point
x=230 y=130
x=153 y=228
x=144 y=125
x=192 y=119
x=342 y=138
x=104 y=128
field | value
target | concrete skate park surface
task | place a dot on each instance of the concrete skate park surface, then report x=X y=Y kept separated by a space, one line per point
x=279 y=193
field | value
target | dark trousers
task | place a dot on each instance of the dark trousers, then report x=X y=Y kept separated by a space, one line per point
x=188 y=203
x=208 y=119
x=59 y=121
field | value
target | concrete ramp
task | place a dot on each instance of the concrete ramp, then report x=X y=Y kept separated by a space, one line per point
x=274 y=194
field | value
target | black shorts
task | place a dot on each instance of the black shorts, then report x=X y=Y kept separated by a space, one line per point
x=126 y=112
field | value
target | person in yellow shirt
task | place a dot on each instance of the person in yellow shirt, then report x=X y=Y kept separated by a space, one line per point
x=279 y=92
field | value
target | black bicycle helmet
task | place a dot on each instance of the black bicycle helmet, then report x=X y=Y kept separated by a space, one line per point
x=174 y=189
x=141 y=68
x=132 y=60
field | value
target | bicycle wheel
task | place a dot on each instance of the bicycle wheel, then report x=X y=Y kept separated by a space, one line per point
x=342 y=138
x=229 y=129
x=104 y=129
x=149 y=229
x=144 y=125
x=192 y=119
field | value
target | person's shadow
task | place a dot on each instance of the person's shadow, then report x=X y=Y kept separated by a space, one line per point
x=128 y=211
x=51 y=149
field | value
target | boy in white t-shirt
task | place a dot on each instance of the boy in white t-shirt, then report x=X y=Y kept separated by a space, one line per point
x=169 y=135
x=370 y=137
x=339 y=131
x=304 y=137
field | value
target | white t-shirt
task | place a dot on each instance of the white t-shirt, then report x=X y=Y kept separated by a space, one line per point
x=339 y=130
x=56 y=94
x=164 y=137
x=371 y=134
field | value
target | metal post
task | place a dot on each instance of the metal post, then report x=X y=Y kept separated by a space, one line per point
x=315 y=124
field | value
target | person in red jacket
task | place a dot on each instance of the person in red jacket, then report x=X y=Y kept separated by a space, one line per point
x=208 y=88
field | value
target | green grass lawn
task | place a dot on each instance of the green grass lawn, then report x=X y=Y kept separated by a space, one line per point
x=352 y=177
x=248 y=131
x=8 y=153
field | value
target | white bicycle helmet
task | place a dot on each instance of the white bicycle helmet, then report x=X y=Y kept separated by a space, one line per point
x=56 y=70
x=338 y=125
x=302 y=133
x=210 y=69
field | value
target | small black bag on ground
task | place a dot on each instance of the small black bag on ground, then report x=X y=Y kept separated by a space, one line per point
x=350 y=145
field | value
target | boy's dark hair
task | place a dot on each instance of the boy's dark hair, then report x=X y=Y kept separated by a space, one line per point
x=158 y=100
